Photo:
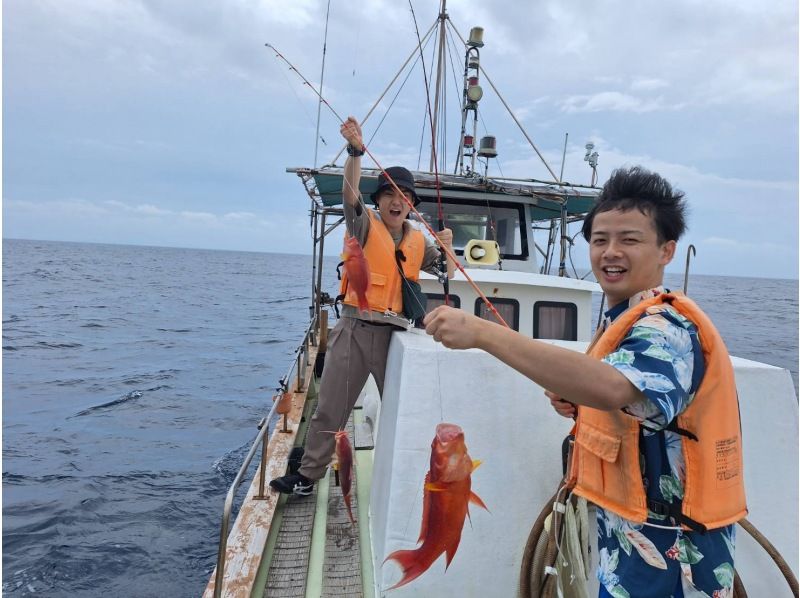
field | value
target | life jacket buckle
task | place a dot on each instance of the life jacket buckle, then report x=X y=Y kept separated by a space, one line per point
x=659 y=508
x=390 y=313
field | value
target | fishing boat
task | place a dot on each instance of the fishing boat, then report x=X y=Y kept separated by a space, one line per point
x=512 y=238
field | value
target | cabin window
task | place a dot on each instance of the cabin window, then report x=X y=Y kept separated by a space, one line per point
x=556 y=320
x=507 y=308
x=474 y=219
x=437 y=299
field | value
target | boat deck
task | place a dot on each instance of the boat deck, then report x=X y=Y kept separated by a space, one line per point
x=309 y=545
x=317 y=552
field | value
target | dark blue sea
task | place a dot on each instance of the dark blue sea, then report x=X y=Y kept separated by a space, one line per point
x=133 y=380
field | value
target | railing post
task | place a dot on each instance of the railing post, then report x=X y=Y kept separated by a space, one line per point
x=263 y=469
x=302 y=360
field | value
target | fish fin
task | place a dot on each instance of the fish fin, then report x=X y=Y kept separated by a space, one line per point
x=476 y=463
x=646 y=549
x=411 y=562
x=476 y=500
x=451 y=550
x=435 y=486
x=426 y=508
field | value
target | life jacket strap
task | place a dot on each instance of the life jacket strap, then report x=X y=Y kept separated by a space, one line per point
x=670 y=510
x=672 y=427
x=340 y=298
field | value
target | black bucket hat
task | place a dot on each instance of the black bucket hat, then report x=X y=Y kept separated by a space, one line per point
x=401 y=177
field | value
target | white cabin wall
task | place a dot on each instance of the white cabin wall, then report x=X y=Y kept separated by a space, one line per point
x=510 y=426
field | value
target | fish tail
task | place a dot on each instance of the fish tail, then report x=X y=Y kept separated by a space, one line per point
x=349 y=509
x=363 y=304
x=412 y=562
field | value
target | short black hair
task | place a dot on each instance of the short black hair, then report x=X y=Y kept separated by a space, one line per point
x=650 y=193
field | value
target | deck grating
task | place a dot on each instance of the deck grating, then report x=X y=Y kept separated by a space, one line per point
x=287 y=574
x=342 y=567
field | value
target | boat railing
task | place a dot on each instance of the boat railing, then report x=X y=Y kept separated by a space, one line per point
x=300 y=362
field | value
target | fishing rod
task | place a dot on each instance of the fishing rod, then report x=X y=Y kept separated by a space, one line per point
x=410 y=204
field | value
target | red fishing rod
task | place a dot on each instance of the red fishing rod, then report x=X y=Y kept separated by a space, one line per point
x=410 y=204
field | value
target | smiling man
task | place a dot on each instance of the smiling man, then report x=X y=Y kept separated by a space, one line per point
x=657 y=438
x=359 y=343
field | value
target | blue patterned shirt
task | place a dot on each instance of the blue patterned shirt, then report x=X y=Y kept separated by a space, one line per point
x=661 y=356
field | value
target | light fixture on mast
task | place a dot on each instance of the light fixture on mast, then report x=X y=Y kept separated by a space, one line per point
x=472 y=94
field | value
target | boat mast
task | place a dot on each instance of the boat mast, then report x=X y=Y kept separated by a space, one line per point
x=440 y=66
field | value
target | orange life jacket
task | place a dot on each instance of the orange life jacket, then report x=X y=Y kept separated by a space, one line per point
x=385 y=289
x=605 y=465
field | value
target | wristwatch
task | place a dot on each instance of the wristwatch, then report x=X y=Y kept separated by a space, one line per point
x=355 y=152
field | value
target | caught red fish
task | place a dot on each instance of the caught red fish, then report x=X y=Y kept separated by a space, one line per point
x=445 y=504
x=357 y=270
x=344 y=456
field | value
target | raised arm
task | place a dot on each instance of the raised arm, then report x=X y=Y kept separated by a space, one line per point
x=351 y=131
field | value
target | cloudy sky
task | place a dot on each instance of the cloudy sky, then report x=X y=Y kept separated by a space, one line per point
x=169 y=122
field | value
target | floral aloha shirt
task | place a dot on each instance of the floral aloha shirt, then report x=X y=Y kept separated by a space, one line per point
x=661 y=356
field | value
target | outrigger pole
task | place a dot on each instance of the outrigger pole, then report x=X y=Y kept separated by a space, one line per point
x=410 y=204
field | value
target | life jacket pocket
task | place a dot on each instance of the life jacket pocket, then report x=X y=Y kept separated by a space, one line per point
x=604 y=470
x=377 y=289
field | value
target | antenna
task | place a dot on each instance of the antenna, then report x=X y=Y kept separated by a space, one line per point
x=591 y=158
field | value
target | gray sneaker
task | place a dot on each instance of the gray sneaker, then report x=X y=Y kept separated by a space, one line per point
x=293 y=483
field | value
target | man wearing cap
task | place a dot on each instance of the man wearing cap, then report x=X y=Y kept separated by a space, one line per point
x=359 y=343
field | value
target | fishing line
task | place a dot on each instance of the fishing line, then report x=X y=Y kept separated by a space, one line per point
x=299 y=101
x=390 y=180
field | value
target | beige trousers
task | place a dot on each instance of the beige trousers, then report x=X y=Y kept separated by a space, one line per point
x=356 y=348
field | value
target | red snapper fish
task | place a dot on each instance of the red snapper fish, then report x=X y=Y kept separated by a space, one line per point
x=344 y=455
x=357 y=270
x=445 y=504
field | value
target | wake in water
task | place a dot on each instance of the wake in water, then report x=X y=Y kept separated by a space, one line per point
x=131 y=396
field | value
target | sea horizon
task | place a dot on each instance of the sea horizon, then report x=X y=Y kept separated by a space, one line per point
x=584 y=269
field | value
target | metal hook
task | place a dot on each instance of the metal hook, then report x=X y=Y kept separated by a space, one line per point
x=690 y=251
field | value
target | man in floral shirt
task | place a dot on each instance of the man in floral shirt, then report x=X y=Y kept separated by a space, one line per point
x=661 y=356
x=645 y=393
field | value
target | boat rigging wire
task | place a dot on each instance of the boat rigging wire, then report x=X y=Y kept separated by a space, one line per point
x=321 y=79
x=390 y=180
x=451 y=43
x=394 y=99
x=513 y=116
x=440 y=213
x=364 y=120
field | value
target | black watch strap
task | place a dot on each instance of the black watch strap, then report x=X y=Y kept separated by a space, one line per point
x=355 y=152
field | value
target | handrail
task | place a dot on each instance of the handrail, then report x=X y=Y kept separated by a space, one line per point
x=690 y=251
x=284 y=381
x=263 y=428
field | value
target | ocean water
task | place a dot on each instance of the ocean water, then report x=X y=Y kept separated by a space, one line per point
x=134 y=377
